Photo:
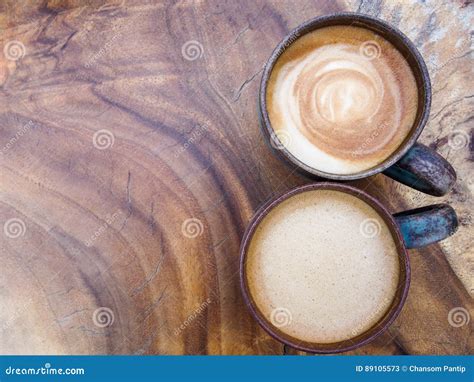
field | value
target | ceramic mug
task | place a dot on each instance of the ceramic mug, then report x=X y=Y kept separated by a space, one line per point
x=412 y=164
x=409 y=229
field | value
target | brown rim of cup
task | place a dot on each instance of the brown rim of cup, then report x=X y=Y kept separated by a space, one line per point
x=388 y=32
x=352 y=343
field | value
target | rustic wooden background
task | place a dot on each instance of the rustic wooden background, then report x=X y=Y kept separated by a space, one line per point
x=132 y=161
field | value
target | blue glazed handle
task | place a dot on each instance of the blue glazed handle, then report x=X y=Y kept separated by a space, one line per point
x=424 y=170
x=426 y=225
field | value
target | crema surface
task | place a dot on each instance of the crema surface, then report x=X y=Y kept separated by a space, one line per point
x=343 y=98
x=323 y=266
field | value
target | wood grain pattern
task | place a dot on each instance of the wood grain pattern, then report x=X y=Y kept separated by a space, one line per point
x=132 y=160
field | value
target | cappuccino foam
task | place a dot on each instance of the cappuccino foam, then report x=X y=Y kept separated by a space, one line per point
x=322 y=266
x=343 y=98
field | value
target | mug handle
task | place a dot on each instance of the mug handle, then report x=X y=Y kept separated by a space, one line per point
x=426 y=225
x=424 y=170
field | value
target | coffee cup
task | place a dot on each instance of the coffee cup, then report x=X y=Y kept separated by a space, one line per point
x=346 y=96
x=324 y=267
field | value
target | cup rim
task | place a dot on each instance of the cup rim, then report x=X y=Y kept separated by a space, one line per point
x=367 y=336
x=380 y=27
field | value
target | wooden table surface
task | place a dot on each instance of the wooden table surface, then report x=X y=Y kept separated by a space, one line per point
x=132 y=162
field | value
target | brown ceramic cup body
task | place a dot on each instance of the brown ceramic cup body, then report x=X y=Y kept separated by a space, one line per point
x=434 y=223
x=411 y=163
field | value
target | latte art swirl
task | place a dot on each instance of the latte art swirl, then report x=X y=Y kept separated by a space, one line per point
x=355 y=97
x=337 y=99
x=350 y=109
